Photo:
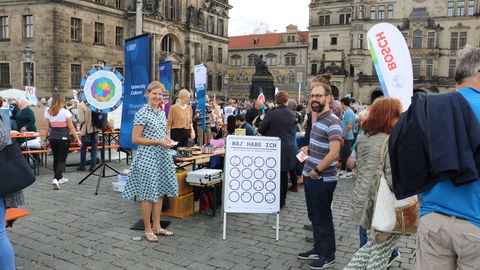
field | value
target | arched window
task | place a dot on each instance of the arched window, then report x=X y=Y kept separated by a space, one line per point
x=417 y=39
x=167 y=44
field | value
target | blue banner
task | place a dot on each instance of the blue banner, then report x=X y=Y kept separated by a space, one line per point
x=137 y=78
x=200 y=73
x=166 y=79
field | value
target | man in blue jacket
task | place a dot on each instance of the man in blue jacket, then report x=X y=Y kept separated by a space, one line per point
x=448 y=233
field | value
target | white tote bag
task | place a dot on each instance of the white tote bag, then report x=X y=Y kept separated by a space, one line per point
x=384 y=217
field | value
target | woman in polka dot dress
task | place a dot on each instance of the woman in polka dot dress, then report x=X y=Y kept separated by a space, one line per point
x=152 y=174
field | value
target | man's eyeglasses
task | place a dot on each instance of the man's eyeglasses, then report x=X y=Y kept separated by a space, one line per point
x=316 y=95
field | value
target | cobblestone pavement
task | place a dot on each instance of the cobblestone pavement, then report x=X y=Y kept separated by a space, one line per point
x=73 y=228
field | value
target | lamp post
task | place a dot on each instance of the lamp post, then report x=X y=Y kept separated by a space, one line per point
x=28 y=59
x=225 y=85
x=177 y=88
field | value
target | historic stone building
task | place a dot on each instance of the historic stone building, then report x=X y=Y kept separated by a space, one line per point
x=69 y=37
x=285 y=55
x=434 y=31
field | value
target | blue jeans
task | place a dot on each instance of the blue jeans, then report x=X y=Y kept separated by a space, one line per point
x=319 y=196
x=86 y=139
x=7 y=261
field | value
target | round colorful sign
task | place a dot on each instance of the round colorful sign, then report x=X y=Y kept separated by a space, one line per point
x=102 y=89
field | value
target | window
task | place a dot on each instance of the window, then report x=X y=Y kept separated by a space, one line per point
x=220 y=55
x=118 y=36
x=451 y=67
x=271 y=60
x=4 y=74
x=417 y=39
x=314 y=69
x=210 y=53
x=99 y=37
x=171 y=9
x=75 y=75
x=461 y=8
x=431 y=40
x=429 y=68
x=76 y=29
x=381 y=12
x=361 y=12
x=220 y=30
x=210 y=24
x=450 y=12
x=28 y=26
x=390 y=12
x=100 y=1
x=28 y=70
x=4 y=34
x=360 y=41
x=471 y=8
x=458 y=40
x=344 y=18
x=416 y=62
x=219 y=83
x=209 y=82
x=167 y=44
x=315 y=44
x=290 y=60
x=119 y=3
x=324 y=20
x=236 y=60
x=251 y=60
x=333 y=41
x=290 y=38
x=372 y=12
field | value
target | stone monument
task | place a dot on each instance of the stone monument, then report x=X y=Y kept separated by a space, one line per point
x=262 y=78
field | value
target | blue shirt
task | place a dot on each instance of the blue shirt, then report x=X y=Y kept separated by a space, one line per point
x=348 y=116
x=462 y=201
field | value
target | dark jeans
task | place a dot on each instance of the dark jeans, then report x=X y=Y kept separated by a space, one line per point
x=319 y=196
x=60 y=153
x=92 y=139
x=179 y=135
x=345 y=152
x=283 y=187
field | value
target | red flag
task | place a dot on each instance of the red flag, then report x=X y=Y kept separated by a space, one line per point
x=261 y=97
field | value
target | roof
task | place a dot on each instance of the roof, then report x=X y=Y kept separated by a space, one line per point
x=262 y=40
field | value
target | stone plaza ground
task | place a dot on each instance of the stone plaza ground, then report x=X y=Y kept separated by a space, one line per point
x=73 y=228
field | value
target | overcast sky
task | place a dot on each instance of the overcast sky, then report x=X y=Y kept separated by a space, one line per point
x=247 y=15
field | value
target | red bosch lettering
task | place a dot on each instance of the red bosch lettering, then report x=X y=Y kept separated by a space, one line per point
x=387 y=56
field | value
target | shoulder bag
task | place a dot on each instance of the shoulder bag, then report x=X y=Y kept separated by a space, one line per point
x=15 y=172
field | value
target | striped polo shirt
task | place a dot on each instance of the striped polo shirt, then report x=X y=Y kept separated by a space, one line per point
x=327 y=127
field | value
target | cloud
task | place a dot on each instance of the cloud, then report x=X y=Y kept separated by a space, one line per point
x=247 y=15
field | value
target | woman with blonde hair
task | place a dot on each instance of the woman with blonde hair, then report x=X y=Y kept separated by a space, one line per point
x=152 y=174
x=180 y=119
x=58 y=122
x=383 y=115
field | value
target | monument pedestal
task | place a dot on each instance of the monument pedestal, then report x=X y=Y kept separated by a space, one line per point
x=266 y=83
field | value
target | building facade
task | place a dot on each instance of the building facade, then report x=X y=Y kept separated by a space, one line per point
x=70 y=37
x=433 y=30
x=285 y=55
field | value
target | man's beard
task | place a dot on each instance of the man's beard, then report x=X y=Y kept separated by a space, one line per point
x=319 y=107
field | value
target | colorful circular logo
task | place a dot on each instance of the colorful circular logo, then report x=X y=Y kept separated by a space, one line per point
x=103 y=89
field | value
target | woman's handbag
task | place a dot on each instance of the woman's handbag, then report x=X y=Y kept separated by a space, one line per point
x=15 y=173
x=391 y=215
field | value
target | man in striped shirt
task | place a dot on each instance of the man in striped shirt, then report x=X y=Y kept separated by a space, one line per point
x=321 y=177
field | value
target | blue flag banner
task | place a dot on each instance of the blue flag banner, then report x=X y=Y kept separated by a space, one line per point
x=200 y=73
x=166 y=79
x=137 y=78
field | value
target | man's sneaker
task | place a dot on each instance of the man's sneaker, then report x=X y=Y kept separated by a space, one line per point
x=395 y=256
x=309 y=239
x=348 y=175
x=309 y=255
x=55 y=184
x=80 y=168
x=322 y=264
x=308 y=226
x=341 y=173
x=63 y=180
x=279 y=228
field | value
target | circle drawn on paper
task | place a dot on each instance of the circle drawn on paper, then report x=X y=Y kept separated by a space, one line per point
x=271 y=162
x=235 y=172
x=257 y=197
x=270 y=198
x=235 y=160
x=258 y=185
x=247 y=161
x=270 y=174
x=234 y=184
x=246 y=185
x=270 y=185
x=258 y=173
x=246 y=197
x=247 y=173
x=259 y=162
x=234 y=196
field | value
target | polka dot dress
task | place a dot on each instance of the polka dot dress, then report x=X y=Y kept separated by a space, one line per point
x=152 y=173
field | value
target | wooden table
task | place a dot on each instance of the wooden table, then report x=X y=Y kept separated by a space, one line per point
x=193 y=159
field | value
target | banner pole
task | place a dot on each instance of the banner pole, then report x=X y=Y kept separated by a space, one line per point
x=224 y=225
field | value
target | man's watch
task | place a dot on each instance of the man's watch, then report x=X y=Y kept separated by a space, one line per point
x=316 y=170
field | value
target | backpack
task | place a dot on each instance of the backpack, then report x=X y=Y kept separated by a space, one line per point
x=99 y=120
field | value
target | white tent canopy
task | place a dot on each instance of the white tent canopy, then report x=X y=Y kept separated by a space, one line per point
x=12 y=93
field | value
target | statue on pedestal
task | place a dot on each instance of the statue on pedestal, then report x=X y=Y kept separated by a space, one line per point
x=261 y=67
